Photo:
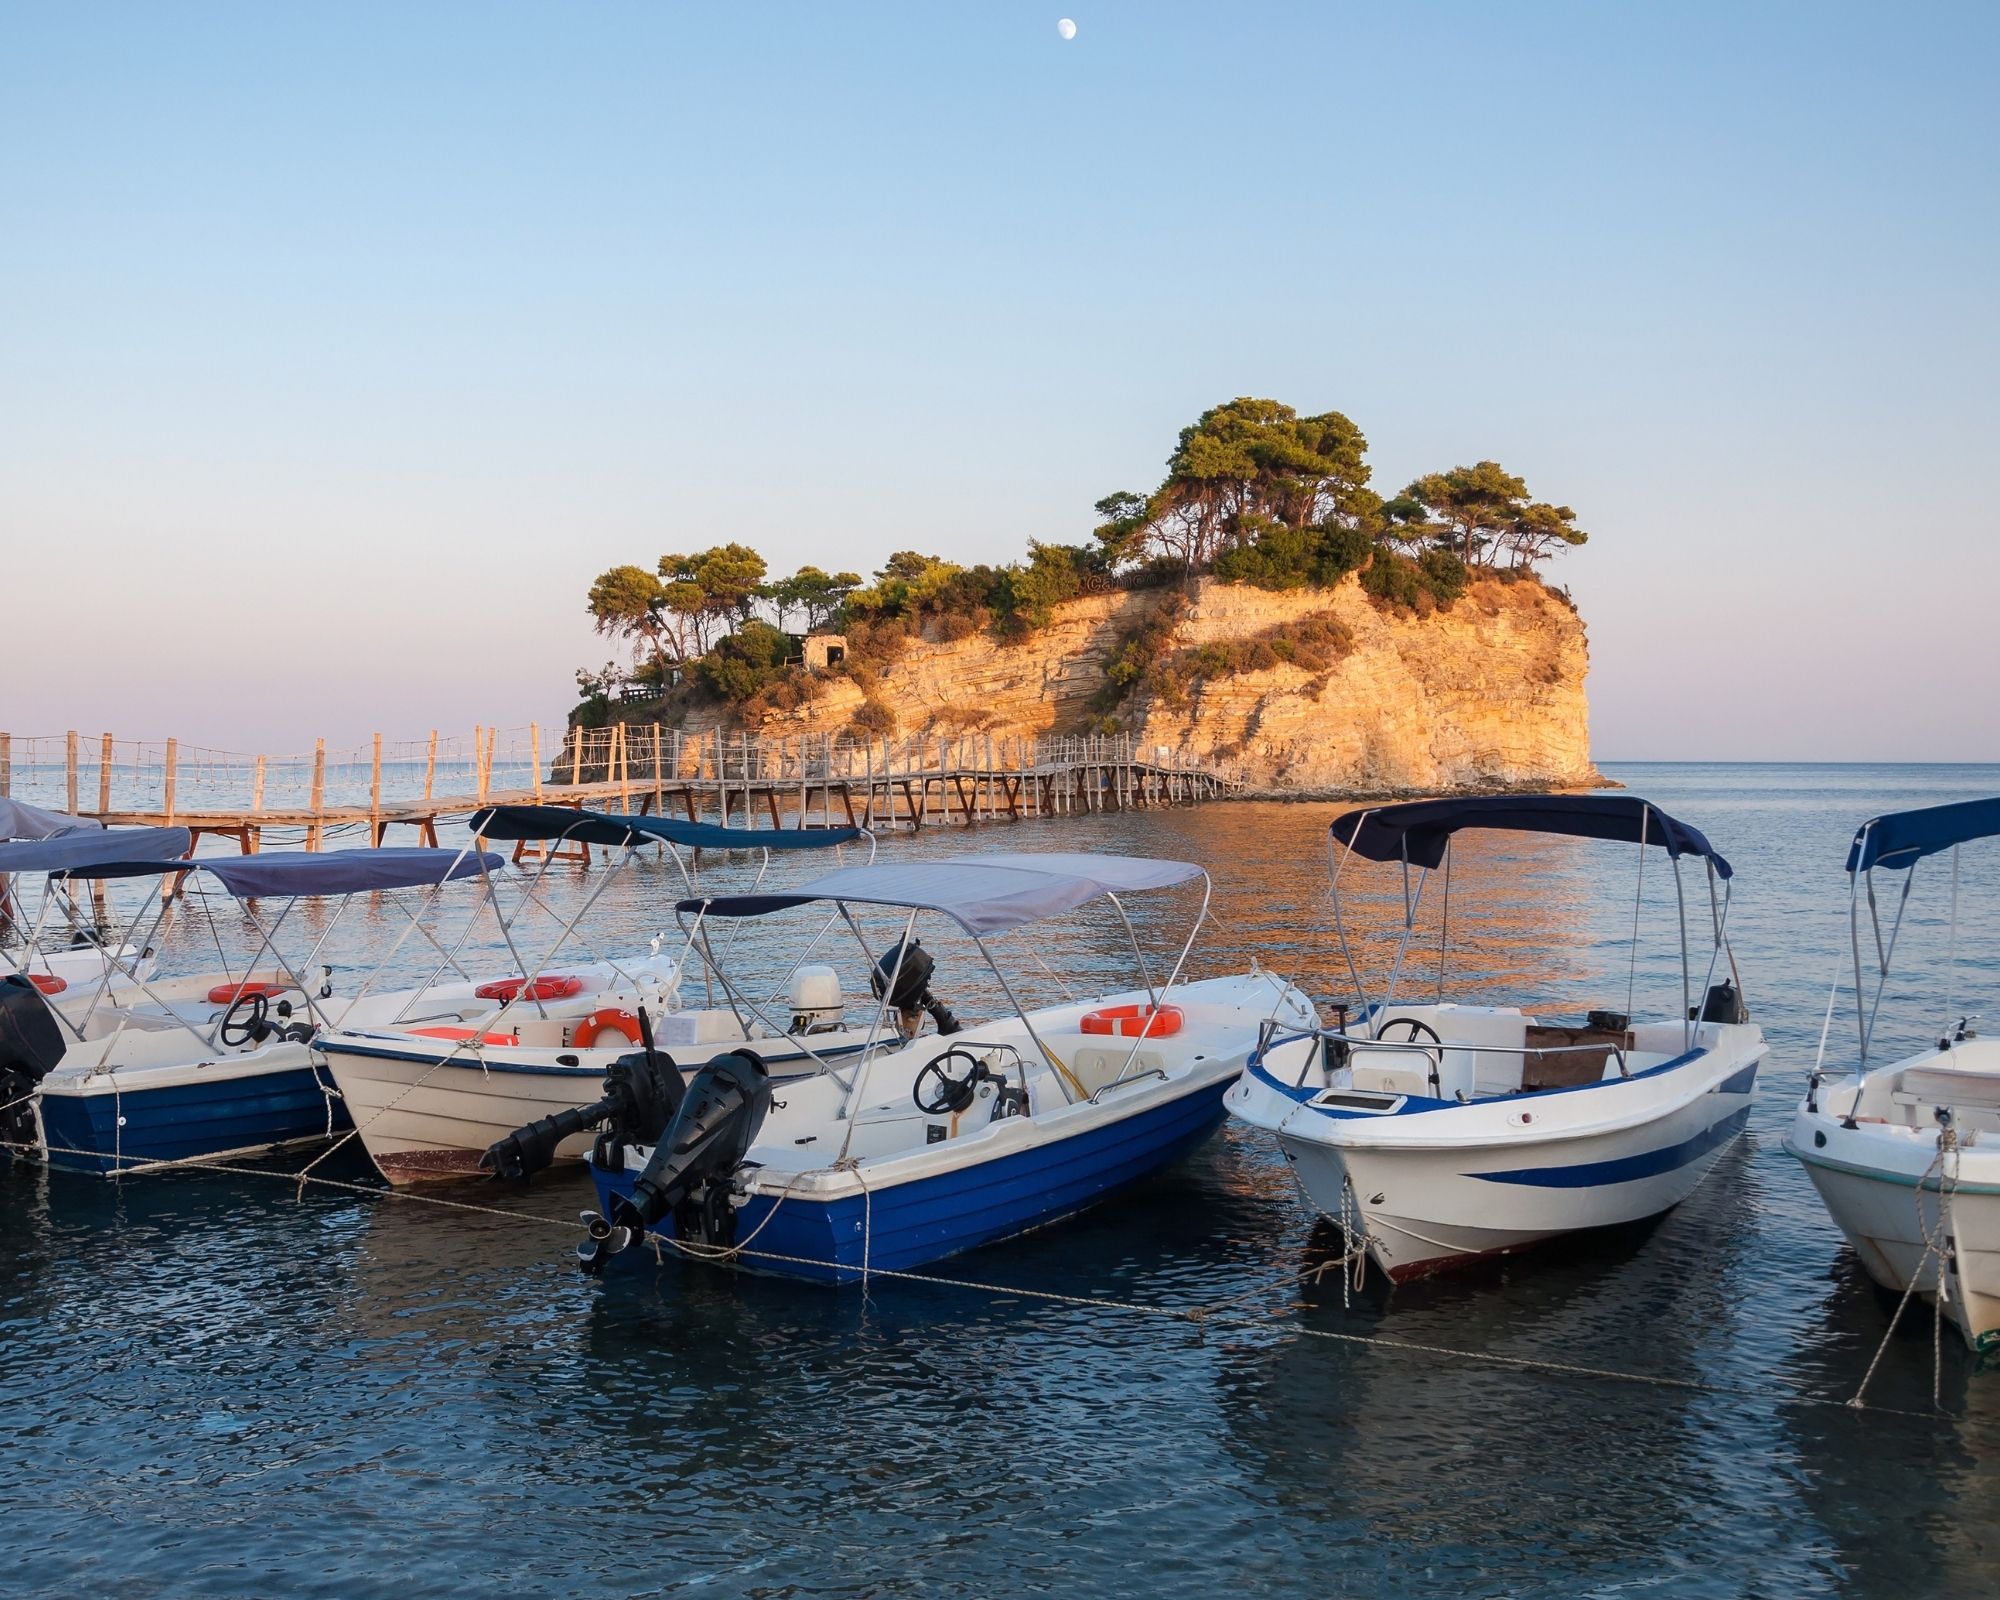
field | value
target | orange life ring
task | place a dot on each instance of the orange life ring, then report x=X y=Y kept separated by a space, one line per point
x=48 y=982
x=603 y=1022
x=227 y=994
x=549 y=986
x=1134 y=1022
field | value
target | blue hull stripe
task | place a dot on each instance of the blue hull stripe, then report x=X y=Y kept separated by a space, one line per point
x=1626 y=1169
x=186 y=1120
x=1738 y=1082
x=911 y=1224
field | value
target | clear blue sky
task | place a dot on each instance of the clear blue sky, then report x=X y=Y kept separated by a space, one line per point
x=341 y=345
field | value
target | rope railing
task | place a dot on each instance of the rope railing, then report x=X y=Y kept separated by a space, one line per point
x=973 y=772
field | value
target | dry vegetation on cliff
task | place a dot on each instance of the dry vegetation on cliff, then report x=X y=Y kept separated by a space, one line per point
x=1262 y=606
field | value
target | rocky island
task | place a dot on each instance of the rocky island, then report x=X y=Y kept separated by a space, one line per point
x=1263 y=612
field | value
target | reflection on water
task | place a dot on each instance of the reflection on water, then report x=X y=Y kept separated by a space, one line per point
x=214 y=1385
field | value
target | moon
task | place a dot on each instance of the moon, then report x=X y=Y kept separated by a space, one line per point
x=1066 y=28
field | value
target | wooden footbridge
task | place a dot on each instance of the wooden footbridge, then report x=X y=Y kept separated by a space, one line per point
x=736 y=779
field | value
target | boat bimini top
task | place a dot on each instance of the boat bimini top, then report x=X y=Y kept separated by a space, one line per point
x=19 y=820
x=984 y=895
x=567 y=825
x=289 y=876
x=1896 y=842
x=89 y=847
x=1419 y=834
x=1420 y=831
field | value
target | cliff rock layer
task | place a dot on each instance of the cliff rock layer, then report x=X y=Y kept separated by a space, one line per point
x=1285 y=691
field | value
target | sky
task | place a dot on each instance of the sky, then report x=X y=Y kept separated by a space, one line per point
x=341 y=346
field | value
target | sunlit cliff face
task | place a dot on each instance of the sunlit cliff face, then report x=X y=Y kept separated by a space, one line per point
x=1488 y=694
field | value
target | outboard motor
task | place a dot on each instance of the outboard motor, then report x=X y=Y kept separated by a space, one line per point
x=1723 y=1004
x=642 y=1091
x=817 y=1004
x=693 y=1162
x=31 y=1043
x=912 y=996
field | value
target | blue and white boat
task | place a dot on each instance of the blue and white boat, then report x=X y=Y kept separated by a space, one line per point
x=1438 y=1132
x=936 y=1142
x=157 y=1071
x=1906 y=1153
x=430 y=1103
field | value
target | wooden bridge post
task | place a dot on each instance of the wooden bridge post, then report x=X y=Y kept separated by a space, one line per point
x=173 y=775
x=104 y=760
x=375 y=794
x=317 y=801
x=256 y=788
x=6 y=764
x=69 y=767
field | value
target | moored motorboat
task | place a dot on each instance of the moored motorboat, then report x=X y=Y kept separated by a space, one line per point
x=1438 y=1132
x=429 y=1105
x=165 y=1071
x=933 y=1143
x=1906 y=1154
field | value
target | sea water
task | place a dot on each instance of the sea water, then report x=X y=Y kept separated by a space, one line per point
x=225 y=1385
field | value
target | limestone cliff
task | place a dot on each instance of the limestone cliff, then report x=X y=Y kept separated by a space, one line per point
x=1489 y=693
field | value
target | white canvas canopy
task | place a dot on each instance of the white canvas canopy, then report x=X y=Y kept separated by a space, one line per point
x=982 y=894
x=19 y=820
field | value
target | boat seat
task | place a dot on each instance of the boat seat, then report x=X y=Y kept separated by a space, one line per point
x=1942 y=1086
x=501 y=1039
x=1097 y=1065
x=1574 y=1066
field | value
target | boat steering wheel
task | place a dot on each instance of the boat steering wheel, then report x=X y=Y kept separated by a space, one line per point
x=954 y=1094
x=237 y=1031
x=1418 y=1027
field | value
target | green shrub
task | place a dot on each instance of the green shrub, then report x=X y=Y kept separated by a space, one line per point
x=1341 y=551
x=1026 y=595
x=1445 y=574
x=1138 y=649
x=1430 y=583
x=744 y=662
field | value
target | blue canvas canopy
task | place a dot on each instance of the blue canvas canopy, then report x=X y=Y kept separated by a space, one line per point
x=1903 y=838
x=1420 y=829
x=982 y=894
x=72 y=853
x=329 y=872
x=571 y=826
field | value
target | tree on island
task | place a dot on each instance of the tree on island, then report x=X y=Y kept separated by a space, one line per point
x=1482 y=514
x=1254 y=493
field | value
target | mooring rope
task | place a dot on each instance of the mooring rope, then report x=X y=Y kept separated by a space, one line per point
x=1934 y=1234
x=1199 y=1318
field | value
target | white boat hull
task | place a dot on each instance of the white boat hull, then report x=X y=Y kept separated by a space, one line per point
x=1442 y=1184
x=423 y=1118
x=1918 y=1218
x=1423 y=1211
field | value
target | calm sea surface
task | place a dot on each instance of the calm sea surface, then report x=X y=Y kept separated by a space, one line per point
x=213 y=1385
